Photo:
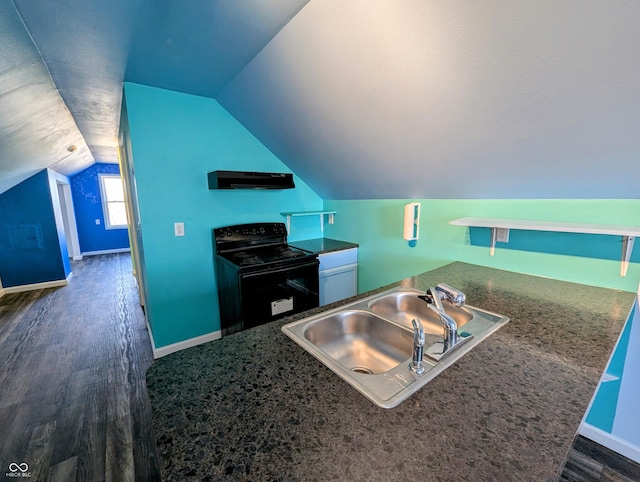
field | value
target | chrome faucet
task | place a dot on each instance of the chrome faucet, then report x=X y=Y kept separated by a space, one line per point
x=452 y=295
x=418 y=348
x=434 y=297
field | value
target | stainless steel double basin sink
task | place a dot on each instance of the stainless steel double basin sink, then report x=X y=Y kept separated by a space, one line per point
x=369 y=343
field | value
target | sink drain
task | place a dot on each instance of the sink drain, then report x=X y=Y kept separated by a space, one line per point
x=364 y=370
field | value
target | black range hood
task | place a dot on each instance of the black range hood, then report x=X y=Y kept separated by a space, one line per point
x=250 y=180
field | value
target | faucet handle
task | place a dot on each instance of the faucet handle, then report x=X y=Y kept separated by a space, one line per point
x=418 y=333
x=435 y=298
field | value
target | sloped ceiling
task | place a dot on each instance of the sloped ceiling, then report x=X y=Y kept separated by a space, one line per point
x=465 y=99
x=85 y=46
x=197 y=47
x=78 y=53
x=36 y=128
x=375 y=99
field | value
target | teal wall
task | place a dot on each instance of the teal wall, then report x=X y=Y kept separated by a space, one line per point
x=600 y=246
x=385 y=257
x=601 y=413
x=176 y=139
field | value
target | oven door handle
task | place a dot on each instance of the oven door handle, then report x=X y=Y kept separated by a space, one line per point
x=315 y=263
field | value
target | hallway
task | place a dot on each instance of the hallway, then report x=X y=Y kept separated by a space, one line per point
x=73 y=399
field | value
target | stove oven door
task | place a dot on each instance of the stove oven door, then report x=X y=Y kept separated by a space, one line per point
x=272 y=294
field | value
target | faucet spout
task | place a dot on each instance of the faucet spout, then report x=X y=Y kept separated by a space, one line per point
x=448 y=323
x=434 y=298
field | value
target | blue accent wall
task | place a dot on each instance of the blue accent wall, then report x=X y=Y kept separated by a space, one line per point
x=597 y=246
x=31 y=248
x=176 y=139
x=87 y=203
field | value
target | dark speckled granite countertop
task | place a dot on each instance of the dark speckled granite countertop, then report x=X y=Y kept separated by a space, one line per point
x=322 y=245
x=256 y=406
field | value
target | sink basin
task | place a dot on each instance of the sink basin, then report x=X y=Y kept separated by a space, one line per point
x=404 y=306
x=361 y=341
x=369 y=342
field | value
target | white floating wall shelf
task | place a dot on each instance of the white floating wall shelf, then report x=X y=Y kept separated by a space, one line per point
x=628 y=233
x=322 y=214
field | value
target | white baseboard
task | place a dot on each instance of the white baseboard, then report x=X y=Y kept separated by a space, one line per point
x=610 y=441
x=77 y=258
x=153 y=343
x=38 y=286
x=182 y=345
x=104 y=251
x=1 y=292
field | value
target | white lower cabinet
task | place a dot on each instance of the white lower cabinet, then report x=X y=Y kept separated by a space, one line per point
x=338 y=273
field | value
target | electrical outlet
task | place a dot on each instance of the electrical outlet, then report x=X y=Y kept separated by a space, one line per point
x=97 y=221
x=502 y=235
x=179 y=229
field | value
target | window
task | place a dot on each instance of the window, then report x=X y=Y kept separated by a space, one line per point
x=115 y=214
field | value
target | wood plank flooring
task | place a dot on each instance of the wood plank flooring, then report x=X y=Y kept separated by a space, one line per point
x=589 y=461
x=73 y=398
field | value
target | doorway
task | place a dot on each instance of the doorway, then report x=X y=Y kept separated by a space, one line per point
x=69 y=220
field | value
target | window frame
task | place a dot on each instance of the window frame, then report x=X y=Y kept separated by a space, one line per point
x=105 y=202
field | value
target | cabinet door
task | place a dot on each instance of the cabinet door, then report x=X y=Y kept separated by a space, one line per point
x=336 y=259
x=338 y=283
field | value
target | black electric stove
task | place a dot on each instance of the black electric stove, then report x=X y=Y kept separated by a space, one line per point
x=260 y=277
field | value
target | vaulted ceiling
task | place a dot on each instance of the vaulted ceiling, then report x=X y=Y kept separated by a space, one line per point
x=63 y=62
x=376 y=99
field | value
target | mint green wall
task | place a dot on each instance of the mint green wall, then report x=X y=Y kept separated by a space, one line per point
x=176 y=139
x=385 y=257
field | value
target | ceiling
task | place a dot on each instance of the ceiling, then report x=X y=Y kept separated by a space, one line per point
x=36 y=128
x=376 y=99
x=63 y=63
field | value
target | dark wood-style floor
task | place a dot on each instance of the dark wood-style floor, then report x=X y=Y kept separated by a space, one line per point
x=73 y=399
x=589 y=461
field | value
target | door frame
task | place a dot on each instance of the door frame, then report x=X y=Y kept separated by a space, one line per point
x=68 y=218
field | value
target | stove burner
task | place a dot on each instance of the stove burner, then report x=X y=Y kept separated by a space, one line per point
x=243 y=255
x=291 y=254
x=249 y=260
x=256 y=256
x=257 y=245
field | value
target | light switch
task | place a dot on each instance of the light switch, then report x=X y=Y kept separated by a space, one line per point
x=179 y=229
x=97 y=221
x=502 y=235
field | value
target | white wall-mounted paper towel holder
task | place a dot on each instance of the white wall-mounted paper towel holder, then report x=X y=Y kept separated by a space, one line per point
x=412 y=223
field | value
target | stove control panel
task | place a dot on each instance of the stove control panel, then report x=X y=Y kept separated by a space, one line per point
x=253 y=231
x=256 y=233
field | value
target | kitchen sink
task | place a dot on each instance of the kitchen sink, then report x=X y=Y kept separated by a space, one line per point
x=404 y=306
x=369 y=342
x=361 y=341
